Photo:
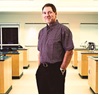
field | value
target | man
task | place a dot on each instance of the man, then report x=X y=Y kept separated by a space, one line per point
x=55 y=47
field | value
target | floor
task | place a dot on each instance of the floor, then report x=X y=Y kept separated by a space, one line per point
x=27 y=84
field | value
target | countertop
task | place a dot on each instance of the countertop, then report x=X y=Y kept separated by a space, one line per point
x=22 y=49
x=12 y=52
x=93 y=57
x=82 y=48
x=3 y=58
x=89 y=52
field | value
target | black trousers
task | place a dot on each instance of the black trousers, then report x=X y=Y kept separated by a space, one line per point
x=50 y=79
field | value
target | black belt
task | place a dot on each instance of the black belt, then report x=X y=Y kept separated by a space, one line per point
x=51 y=64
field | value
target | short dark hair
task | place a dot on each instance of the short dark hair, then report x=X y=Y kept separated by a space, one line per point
x=50 y=5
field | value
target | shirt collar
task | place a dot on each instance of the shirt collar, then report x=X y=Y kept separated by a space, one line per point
x=53 y=24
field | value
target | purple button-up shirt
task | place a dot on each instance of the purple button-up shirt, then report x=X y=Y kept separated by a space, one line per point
x=53 y=42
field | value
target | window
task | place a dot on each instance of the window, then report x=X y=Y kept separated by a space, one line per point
x=9 y=34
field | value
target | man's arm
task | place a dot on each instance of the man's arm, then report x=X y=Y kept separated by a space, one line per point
x=67 y=59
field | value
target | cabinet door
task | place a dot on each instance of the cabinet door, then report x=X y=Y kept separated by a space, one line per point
x=84 y=65
x=75 y=58
x=93 y=74
x=89 y=72
x=79 y=62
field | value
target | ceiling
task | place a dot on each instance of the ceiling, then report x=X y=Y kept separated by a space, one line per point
x=36 y=5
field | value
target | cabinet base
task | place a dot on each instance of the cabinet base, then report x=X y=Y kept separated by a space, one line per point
x=93 y=91
x=74 y=67
x=83 y=77
x=17 y=77
x=7 y=92
x=26 y=67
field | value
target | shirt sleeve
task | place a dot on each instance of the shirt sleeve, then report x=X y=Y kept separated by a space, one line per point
x=67 y=41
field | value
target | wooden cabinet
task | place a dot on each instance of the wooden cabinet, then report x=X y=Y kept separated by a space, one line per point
x=93 y=73
x=5 y=75
x=83 y=62
x=25 y=58
x=75 y=57
x=17 y=64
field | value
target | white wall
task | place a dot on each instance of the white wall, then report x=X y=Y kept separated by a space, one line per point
x=74 y=20
x=36 y=5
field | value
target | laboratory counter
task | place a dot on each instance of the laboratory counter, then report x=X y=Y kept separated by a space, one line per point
x=83 y=62
x=93 y=73
x=6 y=74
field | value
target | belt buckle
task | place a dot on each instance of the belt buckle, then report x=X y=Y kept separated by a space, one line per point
x=45 y=65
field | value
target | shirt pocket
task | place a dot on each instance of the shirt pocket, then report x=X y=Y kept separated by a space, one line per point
x=52 y=43
x=54 y=47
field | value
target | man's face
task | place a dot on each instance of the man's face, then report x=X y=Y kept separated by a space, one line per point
x=48 y=15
